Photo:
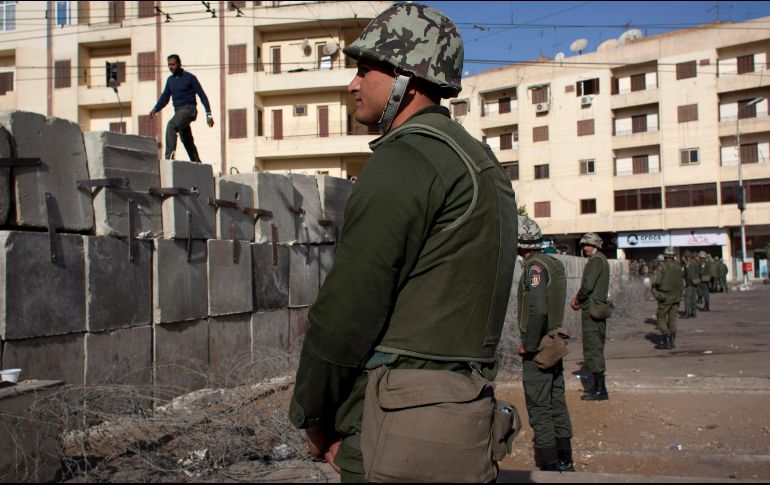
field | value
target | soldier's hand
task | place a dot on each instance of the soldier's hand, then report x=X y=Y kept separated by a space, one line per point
x=331 y=454
x=575 y=304
x=522 y=350
x=316 y=443
x=152 y=113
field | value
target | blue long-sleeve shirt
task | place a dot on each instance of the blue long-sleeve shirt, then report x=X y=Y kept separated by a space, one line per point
x=182 y=89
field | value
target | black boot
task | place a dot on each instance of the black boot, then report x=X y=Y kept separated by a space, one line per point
x=672 y=340
x=594 y=387
x=664 y=343
x=693 y=313
x=564 y=450
x=706 y=308
x=547 y=459
x=600 y=394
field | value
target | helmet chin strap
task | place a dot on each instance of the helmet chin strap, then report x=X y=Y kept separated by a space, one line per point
x=394 y=102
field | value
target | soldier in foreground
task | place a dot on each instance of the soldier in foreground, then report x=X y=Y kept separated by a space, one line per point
x=541 y=295
x=394 y=378
x=667 y=286
x=591 y=299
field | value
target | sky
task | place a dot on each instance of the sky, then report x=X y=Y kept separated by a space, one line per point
x=496 y=33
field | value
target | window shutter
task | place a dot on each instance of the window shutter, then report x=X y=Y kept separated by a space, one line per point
x=687 y=113
x=745 y=111
x=686 y=70
x=641 y=164
x=276 y=60
x=237 y=57
x=146 y=61
x=540 y=133
x=119 y=127
x=147 y=126
x=639 y=82
x=639 y=124
x=746 y=64
x=543 y=209
x=63 y=74
x=504 y=105
x=236 y=120
x=117 y=11
x=121 y=72
x=260 y=124
x=749 y=153
x=323 y=121
x=84 y=12
x=614 y=86
x=278 y=124
x=146 y=8
x=506 y=141
x=585 y=127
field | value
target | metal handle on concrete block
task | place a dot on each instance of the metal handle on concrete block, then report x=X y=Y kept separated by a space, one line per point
x=112 y=183
x=274 y=241
x=189 y=236
x=20 y=162
x=169 y=191
x=296 y=210
x=325 y=223
x=257 y=213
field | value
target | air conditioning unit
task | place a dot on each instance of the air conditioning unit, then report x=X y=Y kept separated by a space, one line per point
x=586 y=100
x=542 y=107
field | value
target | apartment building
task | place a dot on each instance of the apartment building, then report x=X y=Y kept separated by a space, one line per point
x=274 y=74
x=639 y=142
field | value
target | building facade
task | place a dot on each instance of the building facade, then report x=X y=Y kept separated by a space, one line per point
x=641 y=142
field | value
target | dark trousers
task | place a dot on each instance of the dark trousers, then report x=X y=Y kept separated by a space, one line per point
x=546 y=404
x=180 y=124
x=594 y=336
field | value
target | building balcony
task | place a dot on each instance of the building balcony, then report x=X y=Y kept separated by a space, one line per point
x=312 y=145
x=316 y=80
x=499 y=120
x=507 y=156
x=758 y=124
x=104 y=96
x=635 y=98
x=627 y=139
x=741 y=82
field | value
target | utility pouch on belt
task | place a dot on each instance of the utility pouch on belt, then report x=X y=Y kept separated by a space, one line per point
x=552 y=348
x=706 y=278
x=433 y=425
x=600 y=310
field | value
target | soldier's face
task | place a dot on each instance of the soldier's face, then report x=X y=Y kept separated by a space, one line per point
x=370 y=89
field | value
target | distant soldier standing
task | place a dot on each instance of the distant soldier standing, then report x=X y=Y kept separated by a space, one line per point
x=704 y=272
x=714 y=273
x=593 y=292
x=691 y=272
x=667 y=286
x=542 y=291
x=723 y=275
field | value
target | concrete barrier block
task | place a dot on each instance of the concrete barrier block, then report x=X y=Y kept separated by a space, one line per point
x=121 y=356
x=304 y=273
x=115 y=155
x=270 y=280
x=37 y=297
x=269 y=330
x=5 y=176
x=230 y=347
x=326 y=255
x=60 y=357
x=179 y=287
x=181 y=356
x=298 y=323
x=306 y=196
x=272 y=192
x=334 y=193
x=241 y=193
x=110 y=306
x=199 y=178
x=59 y=145
x=230 y=282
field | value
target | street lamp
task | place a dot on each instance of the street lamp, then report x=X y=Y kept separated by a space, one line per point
x=742 y=192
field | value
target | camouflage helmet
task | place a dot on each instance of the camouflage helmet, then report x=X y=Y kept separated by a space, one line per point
x=703 y=254
x=530 y=236
x=417 y=39
x=592 y=239
x=687 y=253
x=669 y=252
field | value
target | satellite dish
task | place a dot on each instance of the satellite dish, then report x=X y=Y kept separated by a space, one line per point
x=559 y=57
x=578 y=45
x=305 y=43
x=330 y=48
x=608 y=45
x=630 y=36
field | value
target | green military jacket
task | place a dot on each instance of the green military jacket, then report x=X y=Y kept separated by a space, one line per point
x=541 y=294
x=692 y=273
x=596 y=281
x=423 y=268
x=667 y=282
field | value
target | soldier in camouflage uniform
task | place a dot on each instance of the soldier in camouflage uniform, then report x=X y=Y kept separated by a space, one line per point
x=723 y=270
x=423 y=271
x=691 y=272
x=704 y=272
x=594 y=287
x=541 y=295
x=667 y=286
x=714 y=284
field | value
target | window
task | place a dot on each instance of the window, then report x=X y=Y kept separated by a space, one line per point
x=639 y=124
x=686 y=70
x=146 y=61
x=745 y=110
x=259 y=124
x=543 y=209
x=259 y=66
x=117 y=11
x=504 y=105
x=541 y=171
x=639 y=82
x=278 y=124
x=119 y=127
x=323 y=60
x=7 y=15
x=236 y=119
x=6 y=82
x=746 y=64
x=585 y=127
x=276 y=51
x=323 y=121
x=540 y=133
x=749 y=153
x=587 y=167
x=589 y=86
x=641 y=164
x=506 y=141
x=614 y=85
x=687 y=113
x=146 y=8
x=63 y=13
x=756 y=191
x=147 y=126
x=84 y=12
x=460 y=108
x=691 y=195
x=588 y=206
x=689 y=156
x=237 y=57
x=300 y=110
x=62 y=74
x=540 y=95
x=513 y=170
x=116 y=71
x=638 y=199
